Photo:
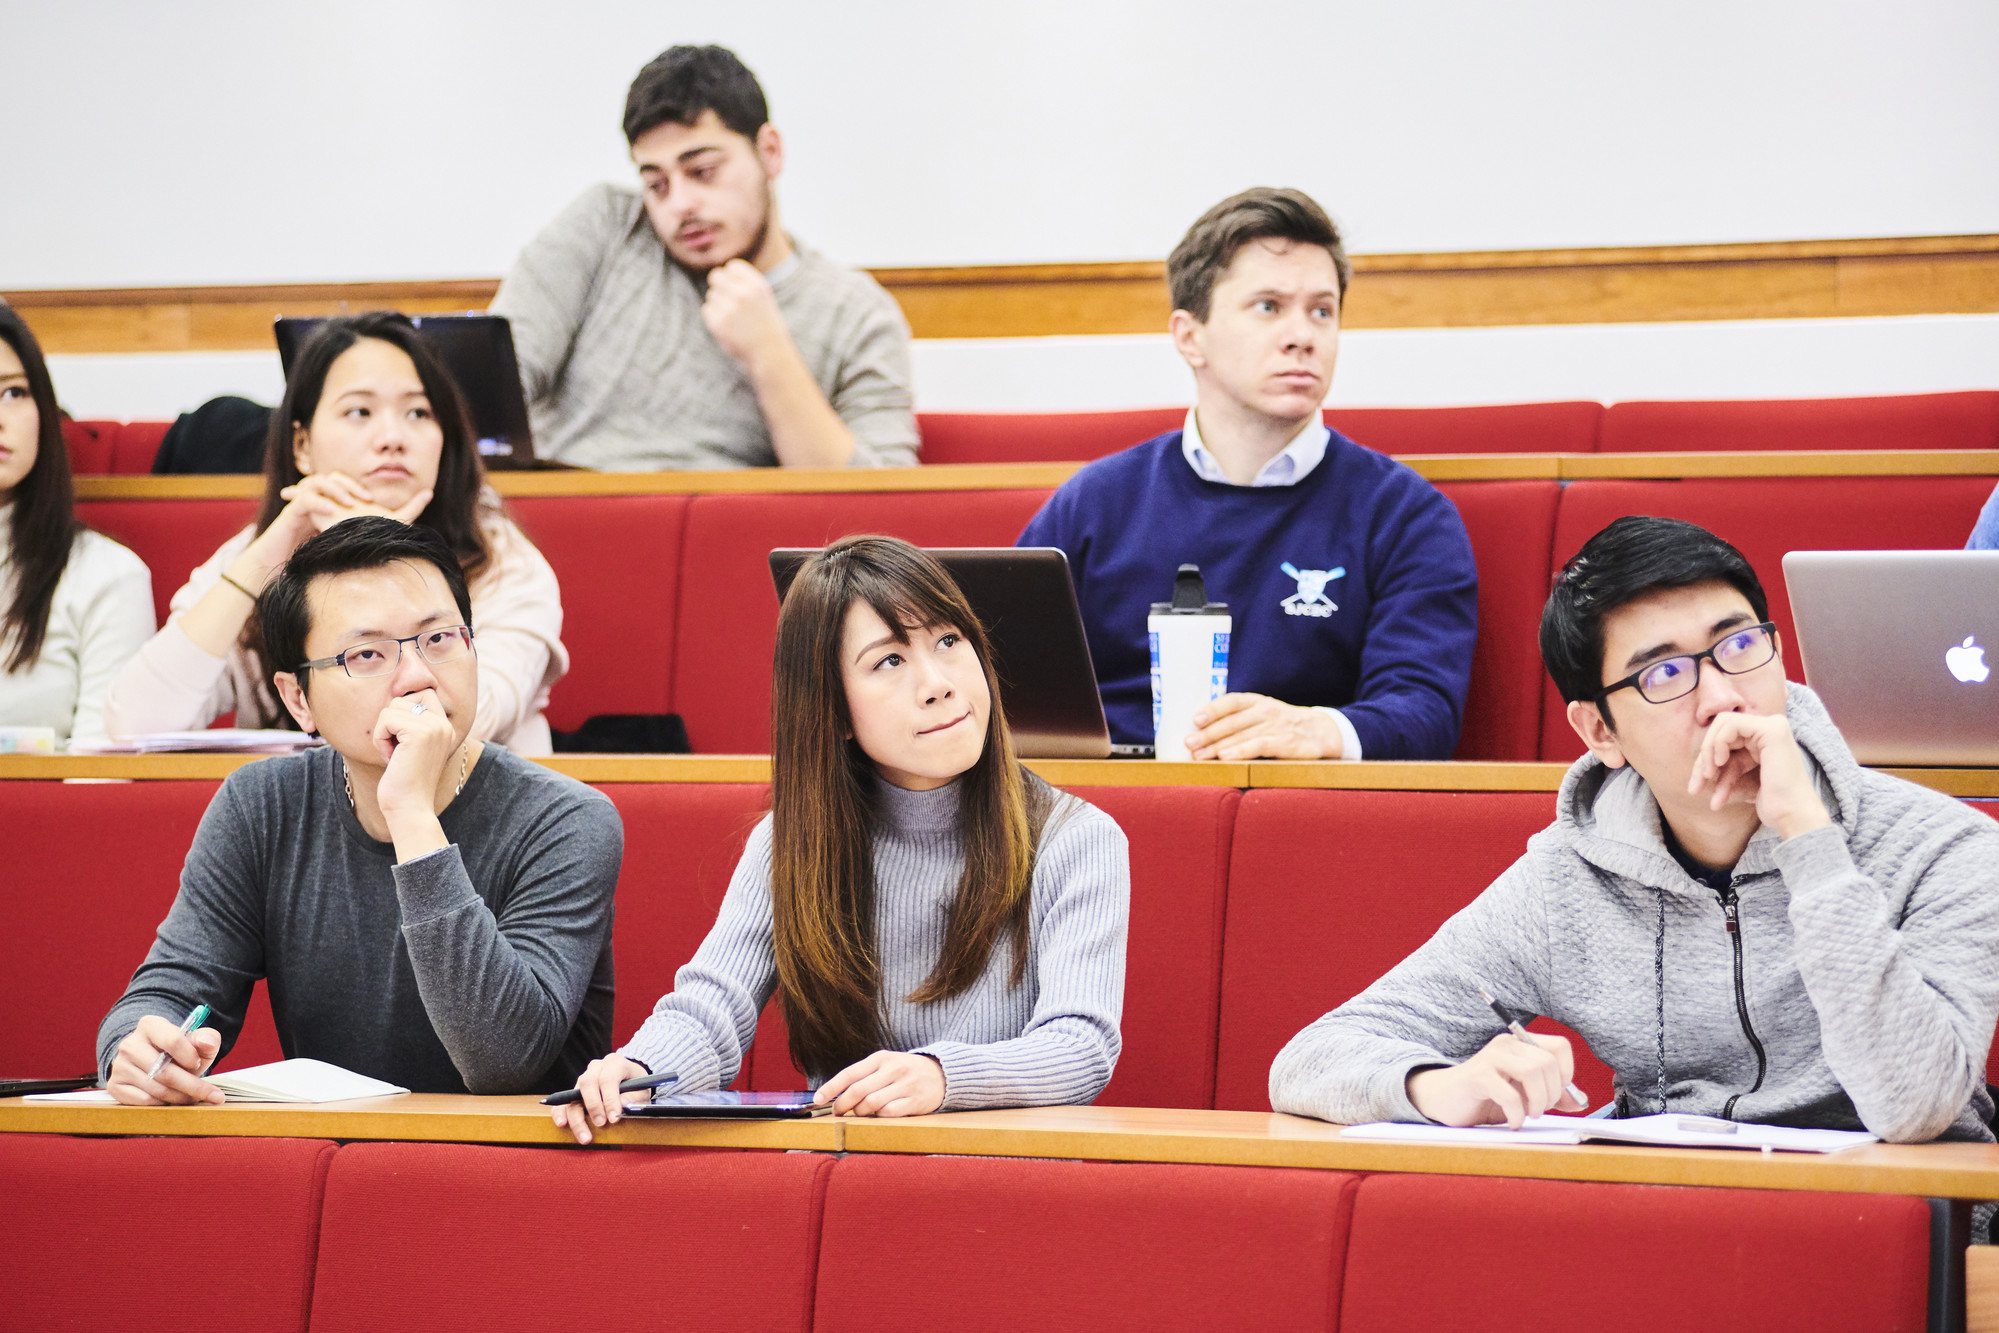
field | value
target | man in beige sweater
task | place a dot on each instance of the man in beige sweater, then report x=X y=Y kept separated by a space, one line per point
x=679 y=326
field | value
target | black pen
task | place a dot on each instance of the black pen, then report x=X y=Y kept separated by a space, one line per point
x=1513 y=1026
x=568 y=1095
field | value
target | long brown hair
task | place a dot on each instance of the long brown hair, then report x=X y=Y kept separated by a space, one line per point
x=454 y=510
x=43 y=513
x=825 y=815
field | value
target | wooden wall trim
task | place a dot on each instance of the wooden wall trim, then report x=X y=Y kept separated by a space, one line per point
x=1623 y=284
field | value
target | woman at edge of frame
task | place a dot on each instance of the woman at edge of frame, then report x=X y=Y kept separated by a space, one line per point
x=945 y=930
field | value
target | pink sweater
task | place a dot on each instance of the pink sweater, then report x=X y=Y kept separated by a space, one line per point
x=172 y=685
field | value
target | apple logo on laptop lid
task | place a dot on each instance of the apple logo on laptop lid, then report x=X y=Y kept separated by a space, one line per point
x=1966 y=661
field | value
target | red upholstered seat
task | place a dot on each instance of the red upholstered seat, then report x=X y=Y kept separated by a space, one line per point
x=79 y=923
x=171 y=536
x=220 y=1230
x=1022 y=437
x=1504 y=428
x=137 y=443
x=1471 y=1254
x=923 y=1243
x=618 y=561
x=90 y=445
x=1765 y=517
x=682 y=842
x=1511 y=525
x=728 y=608
x=1330 y=889
x=1039 y=437
x=1905 y=421
x=457 y=1236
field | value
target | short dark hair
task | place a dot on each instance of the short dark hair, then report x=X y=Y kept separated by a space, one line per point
x=1262 y=214
x=1634 y=556
x=359 y=543
x=681 y=82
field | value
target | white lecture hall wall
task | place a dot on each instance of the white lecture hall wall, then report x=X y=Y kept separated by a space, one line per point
x=218 y=142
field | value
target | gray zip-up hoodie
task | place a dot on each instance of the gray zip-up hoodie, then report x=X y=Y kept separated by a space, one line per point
x=1865 y=964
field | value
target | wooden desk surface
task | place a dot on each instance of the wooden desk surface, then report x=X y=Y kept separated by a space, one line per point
x=425 y=1117
x=1442 y=775
x=1100 y=1133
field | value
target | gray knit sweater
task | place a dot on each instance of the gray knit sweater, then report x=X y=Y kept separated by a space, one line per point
x=1870 y=964
x=1051 y=1040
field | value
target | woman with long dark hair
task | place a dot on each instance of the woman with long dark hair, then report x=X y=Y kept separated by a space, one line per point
x=74 y=605
x=371 y=423
x=944 y=929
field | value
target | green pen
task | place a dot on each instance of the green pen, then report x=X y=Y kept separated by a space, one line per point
x=195 y=1018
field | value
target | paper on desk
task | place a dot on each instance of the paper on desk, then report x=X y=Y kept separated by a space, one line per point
x=88 y=1096
x=1676 y=1131
x=297 y=1080
x=231 y=740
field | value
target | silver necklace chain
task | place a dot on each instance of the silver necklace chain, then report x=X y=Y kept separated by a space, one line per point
x=464 y=767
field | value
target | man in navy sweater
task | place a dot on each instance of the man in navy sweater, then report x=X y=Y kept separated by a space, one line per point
x=1349 y=578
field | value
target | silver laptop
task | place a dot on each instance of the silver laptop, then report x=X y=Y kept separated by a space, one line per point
x=1901 y=646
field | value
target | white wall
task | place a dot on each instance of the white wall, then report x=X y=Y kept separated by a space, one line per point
x=218 y=141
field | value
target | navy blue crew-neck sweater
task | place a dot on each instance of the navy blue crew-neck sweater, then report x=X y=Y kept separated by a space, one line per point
x=1387 y=640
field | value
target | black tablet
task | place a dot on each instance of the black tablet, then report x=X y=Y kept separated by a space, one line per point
x=22 y=1087
x=730 y=1106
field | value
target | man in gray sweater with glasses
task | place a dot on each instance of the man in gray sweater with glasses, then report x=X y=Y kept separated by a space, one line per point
x=1738 y=918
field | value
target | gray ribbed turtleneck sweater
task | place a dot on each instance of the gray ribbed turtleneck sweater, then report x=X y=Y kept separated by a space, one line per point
x=1051 y=1040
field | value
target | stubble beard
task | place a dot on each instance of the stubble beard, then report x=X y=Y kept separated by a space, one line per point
x=699 y=274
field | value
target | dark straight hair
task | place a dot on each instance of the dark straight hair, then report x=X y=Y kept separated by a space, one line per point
x=1631 y=558
x=681 y=82
x=824 y=807
x=43 y=515
x=454 y=510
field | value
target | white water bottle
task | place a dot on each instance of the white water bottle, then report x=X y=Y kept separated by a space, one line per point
x=1190 y=660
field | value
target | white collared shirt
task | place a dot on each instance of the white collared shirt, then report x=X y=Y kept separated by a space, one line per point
x=1306 y=451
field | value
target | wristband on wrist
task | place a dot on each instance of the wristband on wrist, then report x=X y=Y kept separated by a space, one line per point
x=239 y=587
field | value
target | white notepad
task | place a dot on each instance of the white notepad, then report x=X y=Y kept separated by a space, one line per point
x=1677 y=1131
x=285 y=1081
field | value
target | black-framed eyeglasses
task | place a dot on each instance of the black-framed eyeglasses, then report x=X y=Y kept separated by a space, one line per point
x=378 y=657
x=1670 y=678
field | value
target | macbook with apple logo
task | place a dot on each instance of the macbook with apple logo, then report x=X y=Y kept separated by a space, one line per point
x=1903 y=647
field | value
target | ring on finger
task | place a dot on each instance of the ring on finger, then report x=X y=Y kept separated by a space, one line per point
x=416 y=710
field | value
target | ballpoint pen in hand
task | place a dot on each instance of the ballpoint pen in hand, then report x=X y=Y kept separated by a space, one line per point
x=568 y=1095
x=195 y=1018
x=1580 y=1097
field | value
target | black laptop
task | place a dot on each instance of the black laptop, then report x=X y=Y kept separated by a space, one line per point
x=1023 y=597
x=478 y=351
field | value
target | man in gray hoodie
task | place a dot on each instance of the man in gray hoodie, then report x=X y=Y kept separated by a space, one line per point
x=1738 y=918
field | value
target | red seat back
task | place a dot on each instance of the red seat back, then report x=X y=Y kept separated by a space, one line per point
x=137 y=443
x=728 y=607
x=617 y=558
x=171 y=536
x=446 y=1235
x=922 y=1243
x=90 y=445
x=1468 y=1253
x=1504 y=428
x=1905 y=421
x=1328 y=890
x=77 y=1252
x=1764 y=517
x=682 y=842
x=1039 y=437
x=1511 y=525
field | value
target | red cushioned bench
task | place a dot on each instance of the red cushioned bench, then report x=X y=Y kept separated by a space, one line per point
x=171 y=536
x=1328 y=890
x=1764 y=517
x=450 y=1236
x=1903 y=421
x=105 y=1232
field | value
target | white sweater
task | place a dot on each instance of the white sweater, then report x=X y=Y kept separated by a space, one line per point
x=173 y=685
x=102 y=613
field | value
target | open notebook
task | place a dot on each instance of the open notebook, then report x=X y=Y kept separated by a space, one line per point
x=1675 y=1131
x=285 y=1081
